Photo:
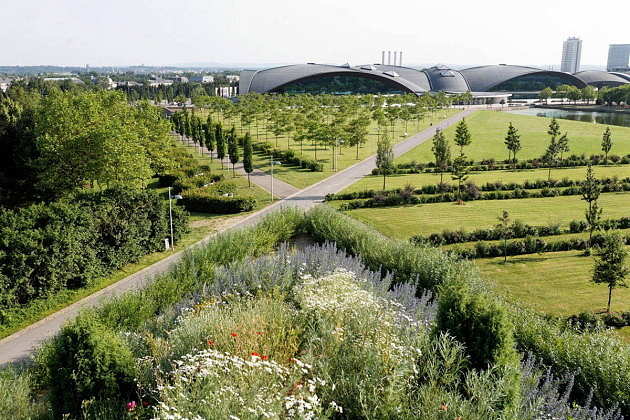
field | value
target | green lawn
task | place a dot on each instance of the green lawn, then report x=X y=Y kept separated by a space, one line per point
x=556 y=283
x=480 y=178
x=406 y=221
x=488 y=130
x=301 y=178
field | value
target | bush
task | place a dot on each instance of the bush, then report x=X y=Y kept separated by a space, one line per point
x=88 y=361
x=197 y=181
x=288 y=157
x=204 y=201
x=484 y=328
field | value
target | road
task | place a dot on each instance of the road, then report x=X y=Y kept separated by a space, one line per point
x=21 y=344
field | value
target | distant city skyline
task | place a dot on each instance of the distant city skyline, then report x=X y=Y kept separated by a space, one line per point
x=163 y=32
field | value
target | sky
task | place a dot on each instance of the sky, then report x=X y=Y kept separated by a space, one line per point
x=249 y=32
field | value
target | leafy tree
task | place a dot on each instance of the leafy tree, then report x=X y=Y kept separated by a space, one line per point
x=554 y=129
x=545 y=94
x=233 y=150
x=210 y=140
x=441 y=151
x=588 y=94
x=218 y=137
x=553 y=149
x=512 y=141
x=462 y=135
x=590 y=193
x=574 y=94
x=610 y=264
x=504 y=227
x=607 y=143
x=358 y=131
x=563 y=145
x=460 y=174
x=384 y=156
x=248 y=153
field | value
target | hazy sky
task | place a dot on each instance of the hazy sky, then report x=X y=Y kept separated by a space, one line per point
x=157 y=32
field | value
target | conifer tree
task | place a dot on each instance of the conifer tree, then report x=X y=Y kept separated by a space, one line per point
x=248 y=156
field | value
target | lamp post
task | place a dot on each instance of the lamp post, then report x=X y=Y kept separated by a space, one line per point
x=170 y=214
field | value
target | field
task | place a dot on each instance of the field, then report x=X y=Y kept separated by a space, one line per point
x=405 y=221
x=480 y=178
x=488 y=130
x=302 y=178
x=557 y=283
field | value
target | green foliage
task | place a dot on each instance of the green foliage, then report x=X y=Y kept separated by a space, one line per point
x=441 y=151
x=205 y=200
x=610 y=265
x=462 y=135
x=88 y=361
x=384 y=156
x=512 y=141
x=607 y=143
x=483 y=326
x=17 y=399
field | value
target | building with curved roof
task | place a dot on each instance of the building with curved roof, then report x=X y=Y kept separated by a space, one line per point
x=601 y=79
x=486 y=83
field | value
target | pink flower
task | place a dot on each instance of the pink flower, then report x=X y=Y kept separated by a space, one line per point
x=233 y=334
x=131 y=406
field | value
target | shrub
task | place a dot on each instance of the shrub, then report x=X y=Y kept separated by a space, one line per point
x=197 y=181
x=205 y=201
x=88 y=361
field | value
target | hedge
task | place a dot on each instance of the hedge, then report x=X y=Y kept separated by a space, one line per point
x=206 y=201
x=196 y=181
x=45 y=248
x=288 y=157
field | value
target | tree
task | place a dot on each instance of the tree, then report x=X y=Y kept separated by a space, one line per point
x=218 y=137
x=504 y=227
x=606 y=143
x=462 y=136
x=554 y=129
x=610 y=264
x=588 y=94
x=545 y=94
x=574 y=94
x=248 y=156
x=590 y=193
x=441 y=151
x=233 y=150
x=553 y=149
x=384 y=156
x=563 y=145
x=512 y=141
x=210 y=140
x=460 y=174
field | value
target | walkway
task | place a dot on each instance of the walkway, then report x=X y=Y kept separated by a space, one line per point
x=21 y=344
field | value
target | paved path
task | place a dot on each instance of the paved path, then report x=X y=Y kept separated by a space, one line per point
x=21 y=344
x=280 y=188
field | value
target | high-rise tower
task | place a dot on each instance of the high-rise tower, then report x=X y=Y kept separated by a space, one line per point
x=571 y=54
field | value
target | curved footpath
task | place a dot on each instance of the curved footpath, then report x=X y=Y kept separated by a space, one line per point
x=21 y=344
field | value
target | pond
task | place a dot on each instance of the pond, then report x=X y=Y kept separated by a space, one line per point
x=607 y=118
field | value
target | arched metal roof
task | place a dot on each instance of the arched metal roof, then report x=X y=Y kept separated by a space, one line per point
x=601 y=78
x=267 y=80
x=443 y=79
x=484 y=78
x=624 y=76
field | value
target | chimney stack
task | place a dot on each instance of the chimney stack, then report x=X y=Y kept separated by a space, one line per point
x=400 y=59
x=389 y=58
x=395 y=57
x=383 y=57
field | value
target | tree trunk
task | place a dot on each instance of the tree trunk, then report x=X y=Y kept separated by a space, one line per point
x=549 y=176
x=249 y=183
x=233 y=171
x=609 y=298
x=384 y=180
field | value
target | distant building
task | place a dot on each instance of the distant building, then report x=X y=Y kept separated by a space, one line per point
x=232 y=78
x=618 y=57
x=206 y=78
x=571 y=54
x=160 y=82
x=61 y=79
x=180 y=79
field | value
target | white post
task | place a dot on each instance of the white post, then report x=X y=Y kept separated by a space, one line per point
x=170 y=217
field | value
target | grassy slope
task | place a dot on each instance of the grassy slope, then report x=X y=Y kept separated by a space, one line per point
x=556 y=283
x=488 y=129
x=302 y=178
x=480 y=178
x=405 y=221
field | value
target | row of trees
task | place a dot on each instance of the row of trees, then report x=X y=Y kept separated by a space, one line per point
x=608 y=95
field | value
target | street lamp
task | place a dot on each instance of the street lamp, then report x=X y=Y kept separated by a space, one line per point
x=272 y=163
x=170 y=213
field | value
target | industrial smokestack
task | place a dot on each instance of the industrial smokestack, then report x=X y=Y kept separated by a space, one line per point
x=400 y=59
x=383 y=58
x=389 y=58
x=395 y=57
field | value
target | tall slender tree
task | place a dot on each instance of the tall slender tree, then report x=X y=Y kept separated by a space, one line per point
x=248 y=157
x=210 y=140
x=460 y=174
x=220 y=143
x=590 y=193
x=462 y=136
x=512 y=142
x=233 y=151
x=610 y=264
x=384 y=156
x=563 y=145
x=442 y=153
x=606 y=143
